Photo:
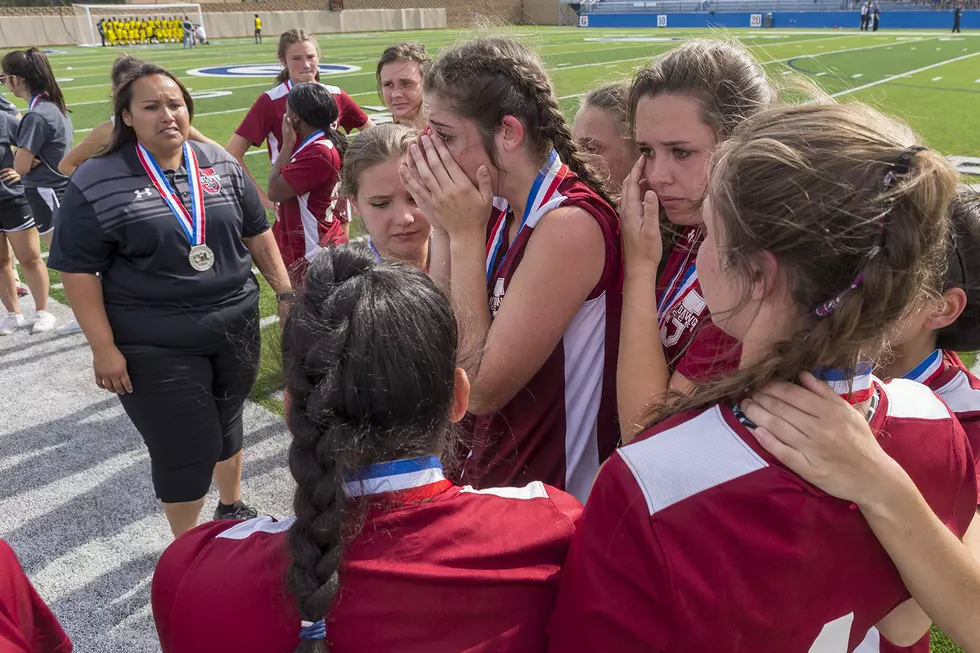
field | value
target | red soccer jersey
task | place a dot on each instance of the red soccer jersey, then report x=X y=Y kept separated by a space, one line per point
x=945 y=373
x=561 y=425
x=693 y=346
x=464 y=570
x=263 y=122
x=27 y=625
x=695 y=539
x=306 y=223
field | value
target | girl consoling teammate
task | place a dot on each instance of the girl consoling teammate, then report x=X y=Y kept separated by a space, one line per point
x=694 y=523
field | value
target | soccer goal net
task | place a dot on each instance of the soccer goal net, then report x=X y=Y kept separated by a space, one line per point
x=142 y=24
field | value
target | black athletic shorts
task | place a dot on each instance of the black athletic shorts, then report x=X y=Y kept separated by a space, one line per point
x=15 y=214
x=45 y=203
x=188 y=408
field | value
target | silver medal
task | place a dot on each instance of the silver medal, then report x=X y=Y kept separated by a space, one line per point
x=201 y=258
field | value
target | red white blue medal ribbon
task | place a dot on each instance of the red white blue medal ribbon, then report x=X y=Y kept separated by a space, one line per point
x=543 y=198
x=854 y=386
x=927 y=371
x=396 y=476
x=192 y=222
x=312 y=138
x=33 y=102
x=374 y=248
x=686 y=277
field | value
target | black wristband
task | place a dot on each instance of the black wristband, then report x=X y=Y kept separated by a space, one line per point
x=285 y=296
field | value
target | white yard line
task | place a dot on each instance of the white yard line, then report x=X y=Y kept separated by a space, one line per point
x=901 y=75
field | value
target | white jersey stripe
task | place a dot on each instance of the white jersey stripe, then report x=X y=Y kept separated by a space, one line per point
x=584 y=348
x=311 y=229
x=258 y=525
x=959 y=395
x=662 y=467
x=914 y=400
x=533 y=490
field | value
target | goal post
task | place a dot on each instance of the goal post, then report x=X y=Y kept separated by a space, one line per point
x=88 y=16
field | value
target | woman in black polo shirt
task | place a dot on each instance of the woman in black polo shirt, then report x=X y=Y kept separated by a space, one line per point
x=172 y=227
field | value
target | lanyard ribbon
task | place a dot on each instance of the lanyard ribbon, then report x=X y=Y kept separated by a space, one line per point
x=542 y=198
x=312 y=138
x=686 y=277
x=396 y=476
x=374 y=248
x=854 y=386
x=926 y=371
x=33 y=102
x=192 y=222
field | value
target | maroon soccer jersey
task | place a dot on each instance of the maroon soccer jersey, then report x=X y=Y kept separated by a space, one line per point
x=263 y=122
x=306 y=223
x=562 y=424
x=693 y=346
x=695 y=539
x=27 y=625
x=945 y=373
x=461 y=570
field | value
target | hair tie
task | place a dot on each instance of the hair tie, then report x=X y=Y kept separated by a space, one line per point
x=902 y=166
x=313 y=629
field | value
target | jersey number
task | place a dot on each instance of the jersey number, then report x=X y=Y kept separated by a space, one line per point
x=834 y=636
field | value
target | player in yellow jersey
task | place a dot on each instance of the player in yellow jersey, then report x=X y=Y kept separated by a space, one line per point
x=258 y=29
x=110 y=35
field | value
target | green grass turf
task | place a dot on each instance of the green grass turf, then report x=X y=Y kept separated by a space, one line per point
x=930 y=79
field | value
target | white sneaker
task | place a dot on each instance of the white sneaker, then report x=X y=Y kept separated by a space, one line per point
x=44 y=322
x=68 y=329
x=10 y=323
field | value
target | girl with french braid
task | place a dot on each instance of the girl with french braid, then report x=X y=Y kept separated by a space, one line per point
x=527 y=246
x=384 y=553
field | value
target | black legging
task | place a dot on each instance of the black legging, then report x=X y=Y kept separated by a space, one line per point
x=188 y=408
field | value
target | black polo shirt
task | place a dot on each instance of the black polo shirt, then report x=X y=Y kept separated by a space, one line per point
x=113 y=221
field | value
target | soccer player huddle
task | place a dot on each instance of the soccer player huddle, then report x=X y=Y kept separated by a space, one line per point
x=678 y=375
x=139 y=30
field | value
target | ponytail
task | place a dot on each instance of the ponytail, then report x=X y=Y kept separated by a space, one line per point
x=314 y=104
x=369 y=357
x=33 y=67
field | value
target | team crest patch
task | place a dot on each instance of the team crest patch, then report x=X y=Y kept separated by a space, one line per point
x=210 y=181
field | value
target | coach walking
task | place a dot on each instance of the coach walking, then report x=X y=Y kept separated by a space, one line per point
x=156 y=241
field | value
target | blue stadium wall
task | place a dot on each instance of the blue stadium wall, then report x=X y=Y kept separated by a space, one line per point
x=783 y=19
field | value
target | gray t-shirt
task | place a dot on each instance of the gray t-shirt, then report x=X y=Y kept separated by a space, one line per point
x=6 y=106
x=46 y=133
x=8 y=136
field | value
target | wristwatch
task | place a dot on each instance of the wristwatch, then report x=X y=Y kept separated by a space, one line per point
x=285 y=296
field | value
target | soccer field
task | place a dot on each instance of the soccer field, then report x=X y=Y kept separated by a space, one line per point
x=930 y=79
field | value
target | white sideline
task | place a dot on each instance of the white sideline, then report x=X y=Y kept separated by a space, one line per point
x=901 y=75
x=552 y=70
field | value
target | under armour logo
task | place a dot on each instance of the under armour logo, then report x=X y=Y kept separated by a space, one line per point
x=140 y=193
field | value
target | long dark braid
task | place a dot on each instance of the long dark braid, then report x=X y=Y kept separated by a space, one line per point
x=489 y=78
x=369 y=355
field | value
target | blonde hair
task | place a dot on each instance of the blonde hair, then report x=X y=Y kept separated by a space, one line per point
x=854 y=215
x=376 y=145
